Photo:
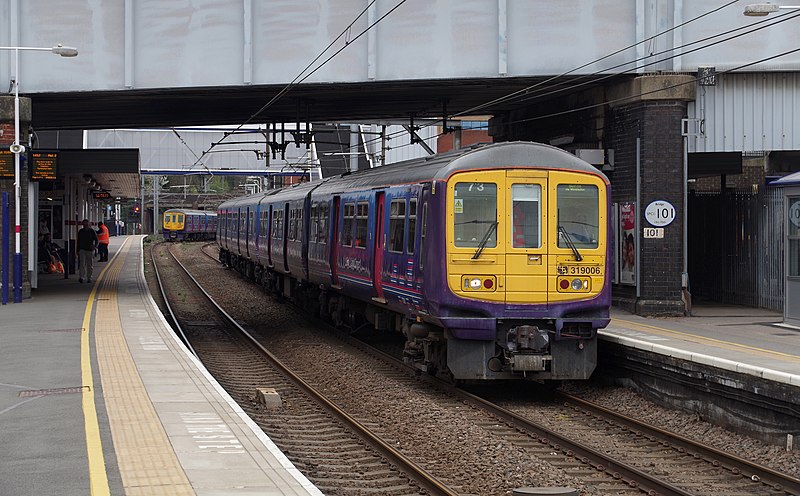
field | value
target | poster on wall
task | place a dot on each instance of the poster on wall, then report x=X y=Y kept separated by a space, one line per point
x=627 y=243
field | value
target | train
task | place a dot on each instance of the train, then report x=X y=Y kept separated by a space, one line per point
x=492 y=261
x=180 y=224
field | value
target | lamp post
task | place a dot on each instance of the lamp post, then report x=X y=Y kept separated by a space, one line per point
x=763 y=9
x=17 y=149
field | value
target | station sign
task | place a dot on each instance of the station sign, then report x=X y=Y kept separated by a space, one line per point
x=101 y=195
x=653 y=232
x=6 y=164
x=660 y=213
x=44 y=166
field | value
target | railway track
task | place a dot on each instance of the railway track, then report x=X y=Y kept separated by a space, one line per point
x=335 y=451
x=607 y=452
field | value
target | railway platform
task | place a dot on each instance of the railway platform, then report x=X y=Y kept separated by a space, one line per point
x=735 y=366
x=740 y=339
x=97 y=397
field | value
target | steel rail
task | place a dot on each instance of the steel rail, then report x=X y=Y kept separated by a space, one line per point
x=416 y=473
x=733 y=463
x=166 y=301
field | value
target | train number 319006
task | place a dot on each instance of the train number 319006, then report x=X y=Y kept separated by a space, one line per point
x=580 y=270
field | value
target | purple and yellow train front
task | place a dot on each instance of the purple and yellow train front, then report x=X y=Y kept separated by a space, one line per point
x=525 y=251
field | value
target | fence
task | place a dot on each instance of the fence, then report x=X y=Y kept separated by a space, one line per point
x=736 y=247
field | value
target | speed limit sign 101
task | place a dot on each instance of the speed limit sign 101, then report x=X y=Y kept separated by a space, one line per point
x=660 y=213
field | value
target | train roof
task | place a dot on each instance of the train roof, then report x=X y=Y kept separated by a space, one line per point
x=437 y=167
x=187 y=211
x=486 y=156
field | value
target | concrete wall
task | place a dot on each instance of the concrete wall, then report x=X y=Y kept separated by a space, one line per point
x=182 y=43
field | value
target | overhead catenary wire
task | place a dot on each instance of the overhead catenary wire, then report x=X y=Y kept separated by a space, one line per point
x=772 y=22
x=300 y=78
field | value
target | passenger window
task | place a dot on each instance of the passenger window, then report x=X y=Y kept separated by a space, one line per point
x=362 y=213
x=412 y=225
x=397 y=220
x=349 y=220
x=526 y=215
x=322 y=233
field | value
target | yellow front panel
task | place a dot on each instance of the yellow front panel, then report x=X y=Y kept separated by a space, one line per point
x=471 y=213
x=526 y=259
x=526 y=236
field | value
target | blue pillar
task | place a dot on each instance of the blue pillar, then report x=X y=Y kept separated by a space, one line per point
x=4 y=268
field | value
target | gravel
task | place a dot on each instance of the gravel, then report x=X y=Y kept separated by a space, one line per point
x=472 y=458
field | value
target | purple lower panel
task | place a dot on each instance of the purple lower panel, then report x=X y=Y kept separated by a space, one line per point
x=470 y=327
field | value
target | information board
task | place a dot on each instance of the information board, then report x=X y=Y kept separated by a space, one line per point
x=6 y=164
x=100 y=195
x=43 y=166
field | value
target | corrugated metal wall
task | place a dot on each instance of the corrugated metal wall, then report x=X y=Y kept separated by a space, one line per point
x=736 y=247
x=748 y=112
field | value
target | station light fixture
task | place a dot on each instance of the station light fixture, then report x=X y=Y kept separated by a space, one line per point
x=763 y=9
x=17 y=148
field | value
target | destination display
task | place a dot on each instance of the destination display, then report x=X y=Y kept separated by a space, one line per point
x=99 y=195
x=44 y=166
x=6 y=164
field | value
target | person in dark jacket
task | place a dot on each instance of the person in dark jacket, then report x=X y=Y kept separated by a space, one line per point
x=87 y=244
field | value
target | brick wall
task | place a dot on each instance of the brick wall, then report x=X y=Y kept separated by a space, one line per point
x=658 y=126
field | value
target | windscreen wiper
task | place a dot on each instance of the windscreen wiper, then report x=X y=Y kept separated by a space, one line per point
x=570 y=244
x=485 y=240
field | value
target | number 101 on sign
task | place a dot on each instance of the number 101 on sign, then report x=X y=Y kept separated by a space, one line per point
x=653 y=232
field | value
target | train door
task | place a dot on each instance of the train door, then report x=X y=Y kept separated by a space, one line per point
x=285 y=240
x=270 y=235
x=237 y=219
x=334 y=260
x=526 y=237
x=380 y=241
x=248 y=223
x=257 y=223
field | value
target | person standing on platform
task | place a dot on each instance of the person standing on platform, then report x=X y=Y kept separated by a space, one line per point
x=87 y=244
x=102 y=242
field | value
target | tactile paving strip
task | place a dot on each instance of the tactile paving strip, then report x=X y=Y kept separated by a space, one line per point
x=147 y=461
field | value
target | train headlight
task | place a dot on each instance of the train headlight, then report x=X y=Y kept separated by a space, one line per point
x=478 y=283
x=575 y=284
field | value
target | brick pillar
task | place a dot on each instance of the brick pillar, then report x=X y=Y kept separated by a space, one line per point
x=651 y=111
x=7 y=185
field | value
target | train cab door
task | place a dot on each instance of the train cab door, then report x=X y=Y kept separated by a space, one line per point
x=334 y=237
x=379 y=245
x=526 y=237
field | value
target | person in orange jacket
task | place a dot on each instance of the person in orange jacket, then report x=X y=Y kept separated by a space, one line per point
x=102 y=242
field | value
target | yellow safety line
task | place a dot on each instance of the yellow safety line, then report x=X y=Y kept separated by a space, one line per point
x=98 y=479
x=703 y=339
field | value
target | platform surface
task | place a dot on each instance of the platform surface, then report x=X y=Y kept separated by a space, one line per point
x=97 y=396
x=742 y=339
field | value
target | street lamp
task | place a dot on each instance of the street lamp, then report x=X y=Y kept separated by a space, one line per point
x=18 y=149
x=762 y=9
